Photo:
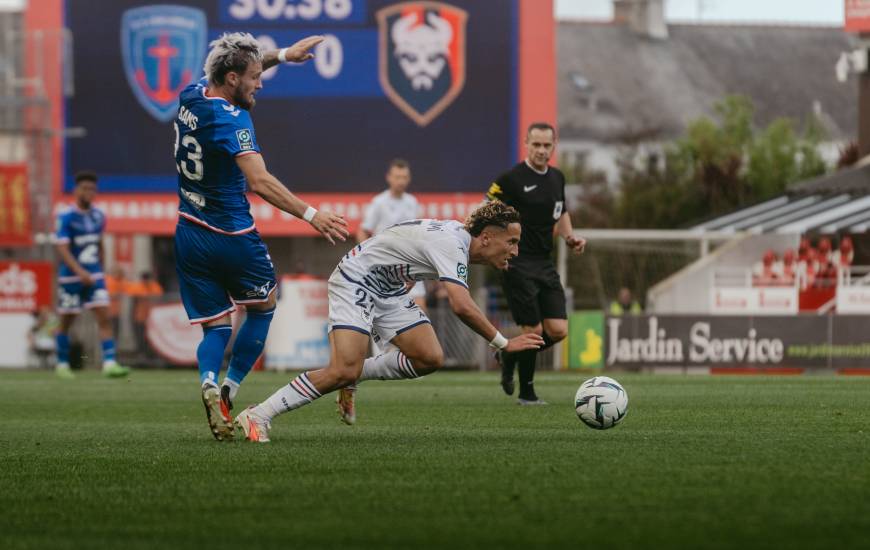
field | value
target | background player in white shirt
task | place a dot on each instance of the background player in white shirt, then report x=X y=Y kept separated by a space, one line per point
x=391 y=207
x=368 y=295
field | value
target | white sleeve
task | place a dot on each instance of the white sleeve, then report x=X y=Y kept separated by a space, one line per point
x=370 y=218
x=450 y=259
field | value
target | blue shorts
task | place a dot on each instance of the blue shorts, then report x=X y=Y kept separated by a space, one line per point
x=216 y=270
x=71 y=297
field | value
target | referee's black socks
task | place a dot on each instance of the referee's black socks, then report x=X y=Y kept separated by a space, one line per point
x=547 y=341
x=526 y=367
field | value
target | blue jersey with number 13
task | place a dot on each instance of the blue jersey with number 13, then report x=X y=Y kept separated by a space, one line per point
x=209 y=133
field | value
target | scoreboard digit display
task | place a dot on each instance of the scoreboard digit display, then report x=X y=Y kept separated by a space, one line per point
x=433 y=82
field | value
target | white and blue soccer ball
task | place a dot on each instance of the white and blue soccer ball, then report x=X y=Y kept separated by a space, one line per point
x=601 y=403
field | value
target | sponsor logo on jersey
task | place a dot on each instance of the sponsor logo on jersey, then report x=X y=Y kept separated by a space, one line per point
x=422 y=56
x=162 y=47
x=195 y=199
x=246 y=140
x=528 y=188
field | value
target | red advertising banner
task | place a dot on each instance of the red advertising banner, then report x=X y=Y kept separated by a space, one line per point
x=157 y=214
x=858 y=15
x=14 y=206
x=25 y=286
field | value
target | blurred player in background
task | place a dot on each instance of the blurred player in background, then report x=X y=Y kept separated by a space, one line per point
x=391 y=207
x=531 y=285
x=220 y=258
x=368 y=291
x=79 y=244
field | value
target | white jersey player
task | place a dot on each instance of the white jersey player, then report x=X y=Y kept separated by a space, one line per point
x=368 y=297
x=390 y=207
x=386 y=210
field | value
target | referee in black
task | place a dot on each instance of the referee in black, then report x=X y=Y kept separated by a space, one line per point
x=531 y=284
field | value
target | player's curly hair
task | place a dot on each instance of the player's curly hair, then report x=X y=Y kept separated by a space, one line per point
x=231 y=52
x=494 y=213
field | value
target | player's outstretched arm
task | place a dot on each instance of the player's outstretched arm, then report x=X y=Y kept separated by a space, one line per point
x=465 y=308
x=299 y=52
x=66 y=257
x=273 y=191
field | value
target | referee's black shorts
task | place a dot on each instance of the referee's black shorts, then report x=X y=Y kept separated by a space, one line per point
x=534 y=291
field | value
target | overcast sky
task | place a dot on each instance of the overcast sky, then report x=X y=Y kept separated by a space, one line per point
x=829 y=12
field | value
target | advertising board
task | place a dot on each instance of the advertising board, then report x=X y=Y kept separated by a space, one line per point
x=858 y=15
x=372 y=93
x=15 y=228
x=25 y=286
x=796 y=341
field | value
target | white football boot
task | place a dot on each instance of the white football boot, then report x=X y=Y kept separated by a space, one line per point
x=219 y=419
x=255 y=427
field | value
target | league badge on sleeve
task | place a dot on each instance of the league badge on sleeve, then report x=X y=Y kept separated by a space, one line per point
x=163 y=48
x=462 y=272
x=422 y=56
x=246 y=141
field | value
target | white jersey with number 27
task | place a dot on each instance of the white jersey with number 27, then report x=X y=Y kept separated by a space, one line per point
x=410 y=251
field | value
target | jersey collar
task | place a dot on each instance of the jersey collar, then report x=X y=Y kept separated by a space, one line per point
x=535 y=170
x=206 y=96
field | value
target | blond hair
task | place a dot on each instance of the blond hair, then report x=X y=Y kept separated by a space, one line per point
x=231 y=52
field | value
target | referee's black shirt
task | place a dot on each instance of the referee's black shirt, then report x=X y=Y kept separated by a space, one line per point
x=540 y=200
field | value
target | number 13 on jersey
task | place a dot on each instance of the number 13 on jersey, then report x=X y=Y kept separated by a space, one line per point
x=191 y=166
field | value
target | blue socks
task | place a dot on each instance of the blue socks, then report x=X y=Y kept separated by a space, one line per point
x=210 y=353
x=62 y=341
x=108 y=350
x=249 y=344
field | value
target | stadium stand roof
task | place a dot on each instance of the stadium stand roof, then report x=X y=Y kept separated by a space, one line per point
x=618 y=86
x=827 y=204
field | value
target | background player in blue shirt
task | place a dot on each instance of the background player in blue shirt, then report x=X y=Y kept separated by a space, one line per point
x=79 y=244
x=220 y=258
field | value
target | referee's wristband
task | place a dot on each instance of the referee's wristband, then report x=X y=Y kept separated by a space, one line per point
x=282 y=55
x=309 y=214
x=499 y=341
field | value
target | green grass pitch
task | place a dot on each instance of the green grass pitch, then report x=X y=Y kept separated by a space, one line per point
x=448 y=461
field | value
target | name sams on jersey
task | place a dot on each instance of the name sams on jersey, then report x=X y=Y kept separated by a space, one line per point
x=162 y=47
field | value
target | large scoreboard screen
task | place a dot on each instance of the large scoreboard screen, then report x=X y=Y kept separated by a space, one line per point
x=432 y=82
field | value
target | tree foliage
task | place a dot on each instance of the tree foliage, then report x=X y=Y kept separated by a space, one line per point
x=720 y=164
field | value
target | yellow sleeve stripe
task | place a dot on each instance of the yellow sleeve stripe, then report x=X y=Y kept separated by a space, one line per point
x=494 y=189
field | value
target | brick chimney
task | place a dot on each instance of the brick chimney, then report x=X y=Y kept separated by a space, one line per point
x=644 y=17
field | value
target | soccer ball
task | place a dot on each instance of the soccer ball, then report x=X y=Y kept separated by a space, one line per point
x=601 y=403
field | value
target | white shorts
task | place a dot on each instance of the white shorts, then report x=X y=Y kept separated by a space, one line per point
x=418 y=291
x=354 y=307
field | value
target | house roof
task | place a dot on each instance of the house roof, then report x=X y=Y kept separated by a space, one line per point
x=853 y=180
x=615 y=85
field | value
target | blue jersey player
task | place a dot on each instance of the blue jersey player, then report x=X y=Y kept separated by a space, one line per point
x=220 y=258
x=78 y=242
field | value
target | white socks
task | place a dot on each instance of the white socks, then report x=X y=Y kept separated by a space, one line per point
x=233 y=386
x=393 y=365
x=297 y=393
